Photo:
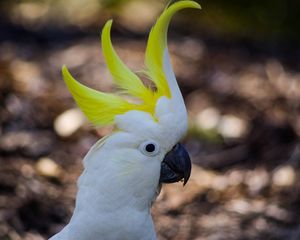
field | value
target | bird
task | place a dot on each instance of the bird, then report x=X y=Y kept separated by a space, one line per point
x=124 y=171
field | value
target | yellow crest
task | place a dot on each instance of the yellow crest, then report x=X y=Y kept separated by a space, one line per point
x=101 y=108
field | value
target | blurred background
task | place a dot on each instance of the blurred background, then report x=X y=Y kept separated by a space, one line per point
x=238 y=65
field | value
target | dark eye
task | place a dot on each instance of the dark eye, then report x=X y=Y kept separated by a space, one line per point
x=149 y=148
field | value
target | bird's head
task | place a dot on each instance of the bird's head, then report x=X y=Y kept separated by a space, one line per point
x=150 y=128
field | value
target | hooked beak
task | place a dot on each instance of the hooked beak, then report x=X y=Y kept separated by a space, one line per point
x=176 y=166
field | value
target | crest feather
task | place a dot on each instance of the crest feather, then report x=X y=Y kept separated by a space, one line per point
x=157 y=46
x=124 y=78
x=101 y=108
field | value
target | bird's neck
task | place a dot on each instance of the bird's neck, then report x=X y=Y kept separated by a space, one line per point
x=103 y=207
x=112 y=192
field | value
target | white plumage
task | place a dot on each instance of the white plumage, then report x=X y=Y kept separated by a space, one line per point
x=119 y=183
x=123 y=172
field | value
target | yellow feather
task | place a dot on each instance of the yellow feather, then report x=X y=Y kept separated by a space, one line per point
x=123 y=76
x=101 y=108
x=157 y=43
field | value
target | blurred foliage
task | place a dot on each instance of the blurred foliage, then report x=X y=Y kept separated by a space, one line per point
x=243 y=106
x=269 y=20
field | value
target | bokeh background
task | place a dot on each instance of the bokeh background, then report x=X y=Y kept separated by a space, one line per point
x=238 y=65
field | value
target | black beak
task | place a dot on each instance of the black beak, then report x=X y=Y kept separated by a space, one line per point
x=176 y=166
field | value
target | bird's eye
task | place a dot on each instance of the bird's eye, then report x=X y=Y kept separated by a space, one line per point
x=149 y=148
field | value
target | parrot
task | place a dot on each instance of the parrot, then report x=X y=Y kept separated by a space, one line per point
x=124 y=171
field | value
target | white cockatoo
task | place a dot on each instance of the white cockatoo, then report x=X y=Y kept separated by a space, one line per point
x=123 y=172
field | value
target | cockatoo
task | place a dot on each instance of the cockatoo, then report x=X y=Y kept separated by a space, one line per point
x=123 y=172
